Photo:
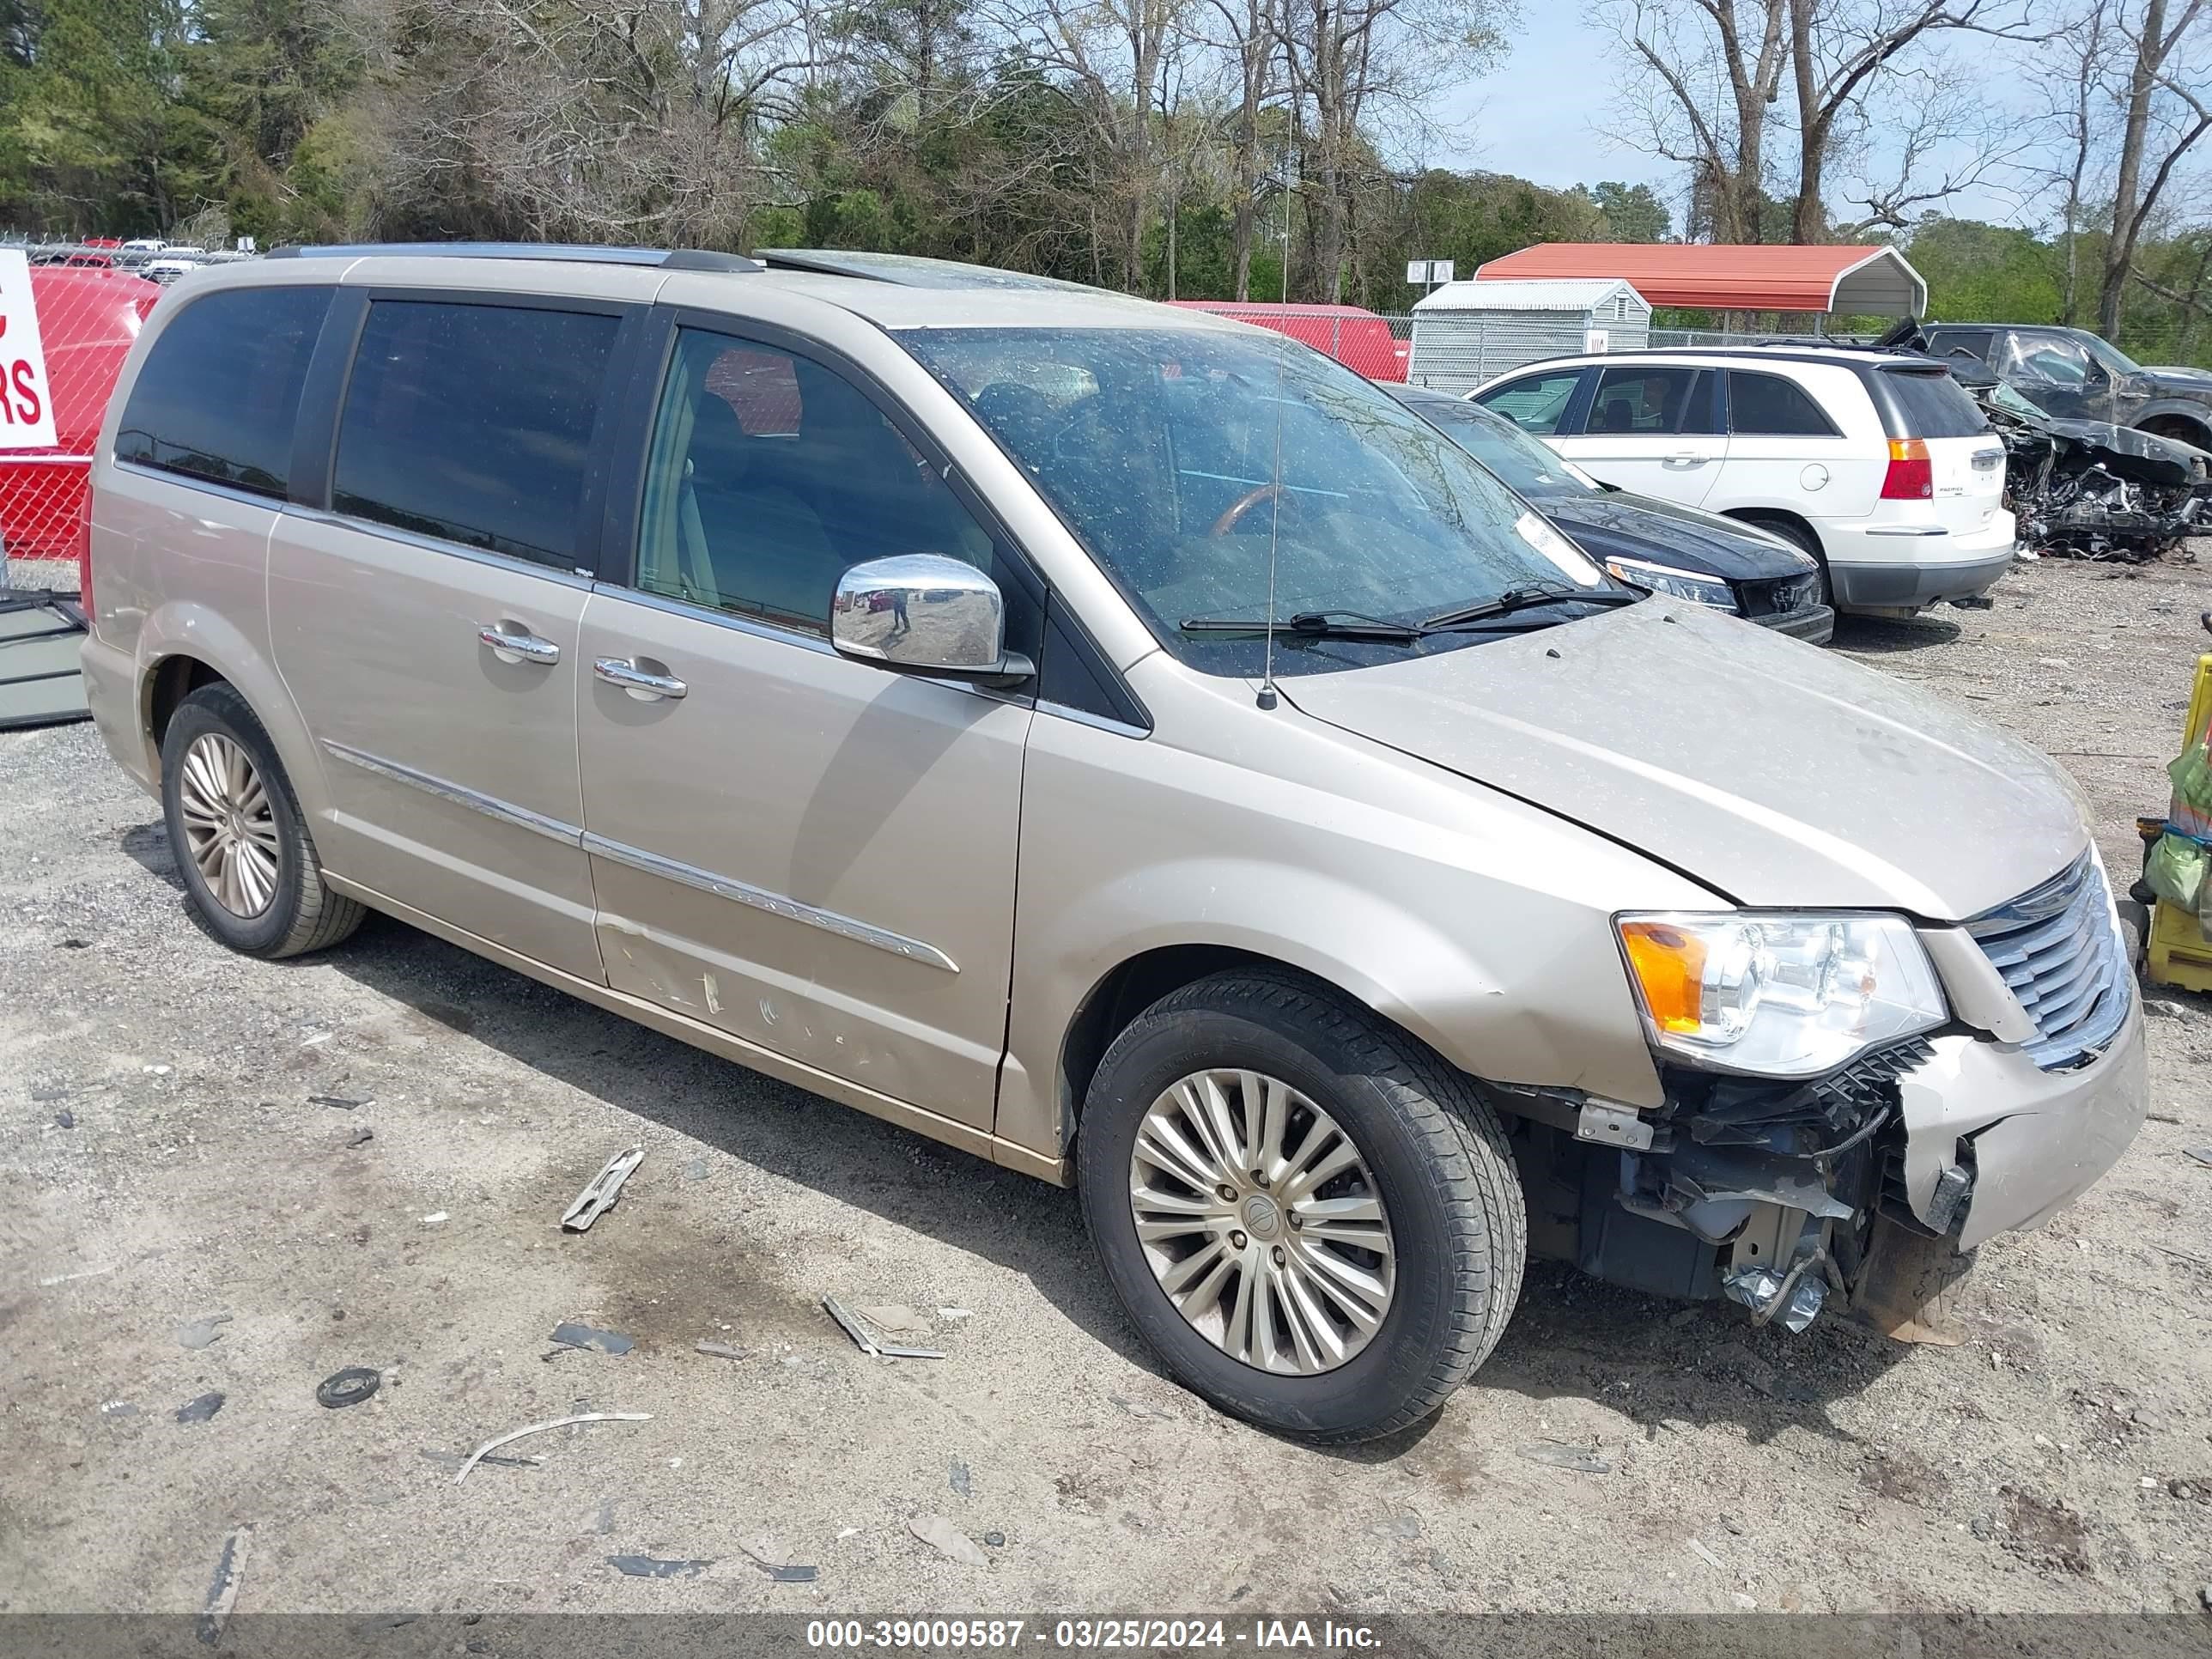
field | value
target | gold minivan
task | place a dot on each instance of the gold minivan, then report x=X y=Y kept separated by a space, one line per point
x=1114 y=740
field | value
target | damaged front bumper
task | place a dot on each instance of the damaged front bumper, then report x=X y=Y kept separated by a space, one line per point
x=1773 y=1194
x=2032 y=1141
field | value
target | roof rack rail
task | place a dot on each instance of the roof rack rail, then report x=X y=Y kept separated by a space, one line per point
x=682 y=258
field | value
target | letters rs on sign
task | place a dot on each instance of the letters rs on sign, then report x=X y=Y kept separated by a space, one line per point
x=26 y=404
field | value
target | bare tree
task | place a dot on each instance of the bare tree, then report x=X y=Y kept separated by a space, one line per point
x=2155 y=133
x=584 y=119
x=2077 y=107
x=1839 y=51
x=1351 y=63
x=1246 y=39
x=1705 y=74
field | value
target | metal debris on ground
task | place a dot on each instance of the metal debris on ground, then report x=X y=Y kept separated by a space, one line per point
x=768 y=1558
x=435 y=1217
x=1580 y=1459
x=996 y=1540
x=647 y=1566
x=40 y=683
x=958 y=1477
x=358 y=1138
x=948 y=1539
x=869 y=1344
x=65 y=1119
x=201 y=1332
x=895 y=1319
x=340 y=1101
x=588 y=1336
x=601 y=1191
x=1706 y=1555
x=718 y=1349
x=348 y=1388
x=499 y=1440
x=2202 y=1154
x=199 y=1410
x=222 y=1593
x=453 y=1460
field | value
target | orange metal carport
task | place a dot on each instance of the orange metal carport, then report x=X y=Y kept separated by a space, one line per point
x=1873 y=281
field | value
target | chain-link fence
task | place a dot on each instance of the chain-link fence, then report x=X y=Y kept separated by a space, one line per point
x=88 y=318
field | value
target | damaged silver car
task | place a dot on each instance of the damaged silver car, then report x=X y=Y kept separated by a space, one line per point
x=1118 y=743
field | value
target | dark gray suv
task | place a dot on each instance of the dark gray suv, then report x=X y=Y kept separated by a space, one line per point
x=2077 y=375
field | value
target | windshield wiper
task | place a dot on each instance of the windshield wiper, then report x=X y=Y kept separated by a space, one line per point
x=1313 y=625
x=1527 y=598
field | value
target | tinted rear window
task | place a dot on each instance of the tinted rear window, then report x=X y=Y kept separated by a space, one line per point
x=473 y=423
x=1922 y=403
x=219 y=392
x=1767 y=405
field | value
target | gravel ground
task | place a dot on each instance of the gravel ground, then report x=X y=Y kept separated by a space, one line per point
x=161 y=1164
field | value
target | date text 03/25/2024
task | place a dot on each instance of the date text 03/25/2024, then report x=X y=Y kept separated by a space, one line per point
x=1088 y=1634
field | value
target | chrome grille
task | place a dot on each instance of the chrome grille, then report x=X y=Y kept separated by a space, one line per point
x=2057 y=948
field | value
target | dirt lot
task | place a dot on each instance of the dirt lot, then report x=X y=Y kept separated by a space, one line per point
x=161 y=1164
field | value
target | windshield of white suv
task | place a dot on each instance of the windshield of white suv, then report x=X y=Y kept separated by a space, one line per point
x=1190 y=462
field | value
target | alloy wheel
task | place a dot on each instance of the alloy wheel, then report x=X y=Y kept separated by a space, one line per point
x=230 y=824
x=1262 y=1222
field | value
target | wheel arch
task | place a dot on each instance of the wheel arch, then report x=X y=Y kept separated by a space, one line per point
x=1136 y=983
x=1780 y=516
x=184 y=646
x=2189 y=425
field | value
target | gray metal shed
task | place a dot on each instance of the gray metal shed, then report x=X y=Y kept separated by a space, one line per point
x=1466 y=332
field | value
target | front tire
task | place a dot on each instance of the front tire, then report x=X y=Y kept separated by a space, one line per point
x=1312 y=1220
x=241 y=840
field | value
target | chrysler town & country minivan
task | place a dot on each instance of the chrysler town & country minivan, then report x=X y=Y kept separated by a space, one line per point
x=1117 y=742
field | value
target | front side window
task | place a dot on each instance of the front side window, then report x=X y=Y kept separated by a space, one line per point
x=1535 y=403
x=1648 y=403
x=1768 y=405
x=2052 y=359
x=1207 y=470
x=770 y=476
x=473 y=423
x=219 y=393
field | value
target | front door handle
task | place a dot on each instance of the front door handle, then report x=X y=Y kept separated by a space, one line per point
x=512 y=642
x=639 y=682
x=1686 y=455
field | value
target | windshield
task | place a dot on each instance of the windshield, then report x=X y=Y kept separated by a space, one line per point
x=1204 y=470
x=1528 y=465
x=2115 y=361
x=2013 y=401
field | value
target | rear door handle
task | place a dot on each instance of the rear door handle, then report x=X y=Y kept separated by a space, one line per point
x=510 y=641
x=639 y=682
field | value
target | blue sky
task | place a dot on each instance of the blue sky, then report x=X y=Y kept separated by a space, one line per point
x=1539 y=115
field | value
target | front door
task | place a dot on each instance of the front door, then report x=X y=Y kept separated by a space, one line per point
x=1653 y=429
x=814 y=854
x=427 y=623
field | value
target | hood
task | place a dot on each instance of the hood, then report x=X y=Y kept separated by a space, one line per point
x=1774 y=772
x=2128 y=451
x=2181 y=382
x=1638 y=527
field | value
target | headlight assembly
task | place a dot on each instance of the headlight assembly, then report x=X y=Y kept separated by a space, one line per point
x=1679 y=584
x=1777 y=995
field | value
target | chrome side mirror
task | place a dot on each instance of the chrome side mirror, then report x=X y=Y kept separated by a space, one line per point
x=922 y=613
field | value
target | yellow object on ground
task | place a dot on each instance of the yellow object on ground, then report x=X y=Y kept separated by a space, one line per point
x=2179 y=953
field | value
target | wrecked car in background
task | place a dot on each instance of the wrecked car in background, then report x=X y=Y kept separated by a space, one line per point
x=2090 y=489
x=2072 y=374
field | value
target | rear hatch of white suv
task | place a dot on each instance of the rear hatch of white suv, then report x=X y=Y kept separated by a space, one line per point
x=1946 y=464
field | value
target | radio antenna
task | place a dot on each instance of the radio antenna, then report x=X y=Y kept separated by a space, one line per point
x=1266 y=698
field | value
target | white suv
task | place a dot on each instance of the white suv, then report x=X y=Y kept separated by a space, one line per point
x=1879 y=464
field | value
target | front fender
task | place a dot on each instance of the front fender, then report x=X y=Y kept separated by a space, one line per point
x=2198 y=414
x=1478 y=922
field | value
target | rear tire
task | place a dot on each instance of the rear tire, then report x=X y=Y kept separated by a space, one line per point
x=1427 y=1159
x=241 y=840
